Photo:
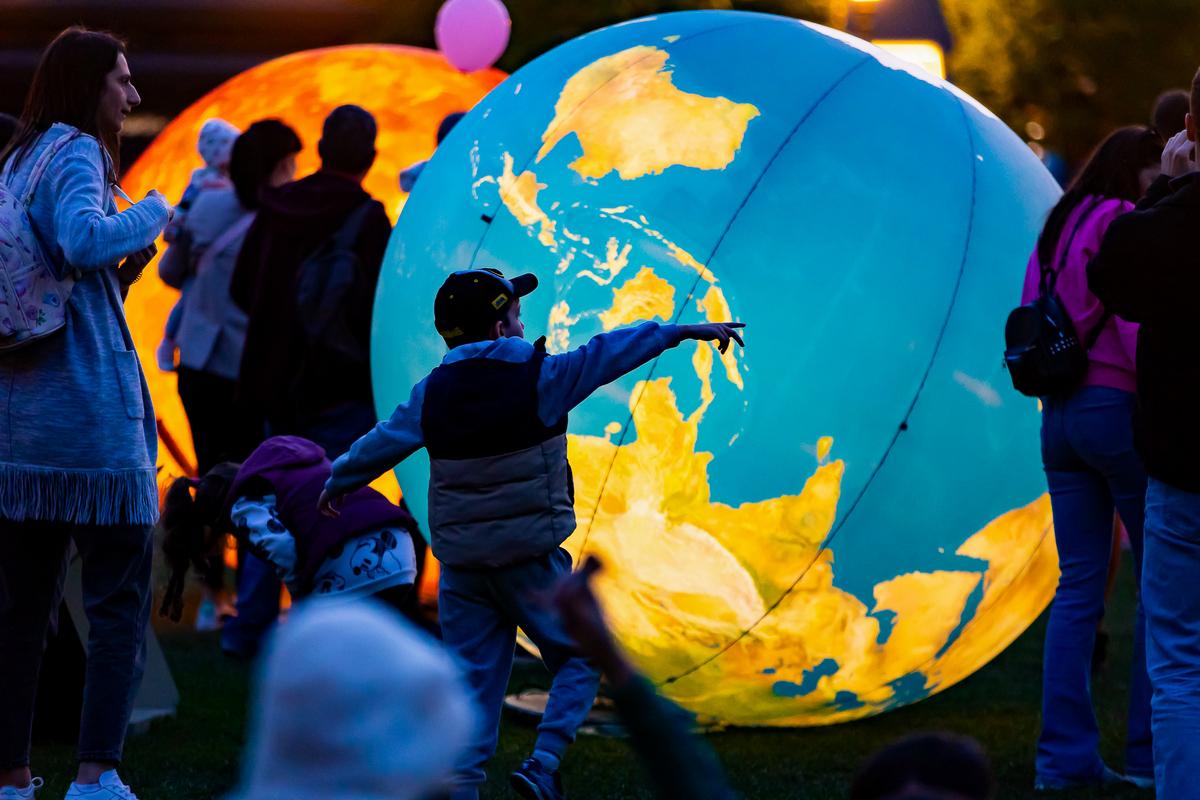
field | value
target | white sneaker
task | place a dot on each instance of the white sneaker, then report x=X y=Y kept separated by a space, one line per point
x=13 y=793
x=109 y=788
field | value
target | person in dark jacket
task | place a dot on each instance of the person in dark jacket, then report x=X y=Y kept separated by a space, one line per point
x=295 y=388
x=1147 y=271
x=270 y=504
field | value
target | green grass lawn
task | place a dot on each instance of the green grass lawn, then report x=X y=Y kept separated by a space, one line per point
x=195 y=755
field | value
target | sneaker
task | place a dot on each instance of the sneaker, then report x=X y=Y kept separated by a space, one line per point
x=207 y=618
x=13 y=793
x=533 y=782
x=1107 y=777
x=110 y=787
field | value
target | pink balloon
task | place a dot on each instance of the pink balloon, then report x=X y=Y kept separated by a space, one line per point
x=472 y=34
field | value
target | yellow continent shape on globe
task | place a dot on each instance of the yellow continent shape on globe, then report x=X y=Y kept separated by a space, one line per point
x=645 y=296
x=734 y=609
x=630 y=117
x=519 y=193
x=690 y=579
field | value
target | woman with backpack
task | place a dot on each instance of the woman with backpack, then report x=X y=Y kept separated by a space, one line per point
x=1091 y=468
x=77 y=431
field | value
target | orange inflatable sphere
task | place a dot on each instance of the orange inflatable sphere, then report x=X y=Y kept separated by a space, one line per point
x=408 y=89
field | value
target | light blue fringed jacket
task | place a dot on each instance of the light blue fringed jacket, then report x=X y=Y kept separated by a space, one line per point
x=78 y=441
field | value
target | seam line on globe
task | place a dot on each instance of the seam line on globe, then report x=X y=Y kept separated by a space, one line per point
x=683 y=306
x=533 y=157
x=900 y=428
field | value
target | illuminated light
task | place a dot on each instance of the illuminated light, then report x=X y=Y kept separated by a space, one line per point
x=847 y=516
x=409 y=90
x=927 y=55
x=1037 y=149
x=1034 y=130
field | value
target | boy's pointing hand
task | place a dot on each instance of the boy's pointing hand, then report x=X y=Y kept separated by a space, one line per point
x=720 y=332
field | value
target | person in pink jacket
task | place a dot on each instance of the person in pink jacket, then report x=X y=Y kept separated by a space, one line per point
x=1091 y=468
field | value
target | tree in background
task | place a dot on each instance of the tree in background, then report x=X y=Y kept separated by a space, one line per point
x=1070 y=71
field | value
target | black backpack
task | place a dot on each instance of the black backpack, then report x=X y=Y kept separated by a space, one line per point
x=1043 y=352
x=326 y=288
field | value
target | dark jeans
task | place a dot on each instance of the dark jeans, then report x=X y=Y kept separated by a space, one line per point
x=480 y=611
x=221 y=430
x=1091 y=468
x=116 y=596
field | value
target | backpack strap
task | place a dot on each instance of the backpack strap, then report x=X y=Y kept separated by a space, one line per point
x=1049 y=277
x=238 y=228
x=43 y=162
x=348 y=233
x=1048 y=285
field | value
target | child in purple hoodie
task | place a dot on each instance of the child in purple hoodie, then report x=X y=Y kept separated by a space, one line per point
x=270 y=504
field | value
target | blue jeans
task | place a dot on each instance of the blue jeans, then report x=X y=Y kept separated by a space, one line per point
x=258 y=589
x=480 y=611
x=1091 y=467
x=1171 y=593
x=116 y=598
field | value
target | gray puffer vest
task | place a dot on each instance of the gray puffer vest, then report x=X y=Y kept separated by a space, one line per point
x=500 y=488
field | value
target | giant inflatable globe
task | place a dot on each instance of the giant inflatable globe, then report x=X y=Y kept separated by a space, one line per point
x=848 y=515
x=409 y=90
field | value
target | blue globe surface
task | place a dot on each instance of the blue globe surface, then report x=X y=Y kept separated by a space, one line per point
x=846 y=516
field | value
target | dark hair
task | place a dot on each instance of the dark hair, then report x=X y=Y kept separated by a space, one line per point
x=1170 y=109
x=447 y=124
x=194 y=526
x=1195 y=104
x=348 y=140
x=8 y=126
x=255 y=155
x=940 y=763
x=1112 y=171
x=66 y=88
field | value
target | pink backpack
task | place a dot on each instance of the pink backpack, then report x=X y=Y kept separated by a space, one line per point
x=33 y=301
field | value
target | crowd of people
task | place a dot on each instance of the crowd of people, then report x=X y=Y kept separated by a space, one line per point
x=270 y=342
x=1115 y=256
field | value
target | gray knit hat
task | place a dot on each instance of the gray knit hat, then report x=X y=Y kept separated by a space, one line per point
x=353 y=702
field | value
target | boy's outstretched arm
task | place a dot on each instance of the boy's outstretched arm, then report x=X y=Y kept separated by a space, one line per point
x=383 y=447
x=570 y=378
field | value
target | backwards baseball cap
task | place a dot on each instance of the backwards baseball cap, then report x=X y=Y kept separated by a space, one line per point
x=472 y=299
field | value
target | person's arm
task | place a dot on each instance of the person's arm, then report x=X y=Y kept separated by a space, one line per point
x=90 y=238
x=383 y=447
x=679 y=764
x=1157 y=191
x=256 y=523
x=1033 y=277
x=568 y=379
x=175 y=265
x=243 y=282
x=1126 y=274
